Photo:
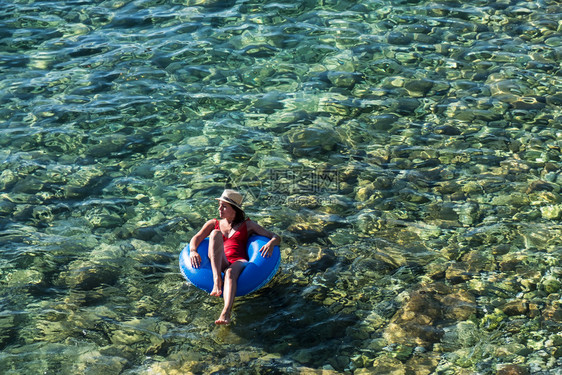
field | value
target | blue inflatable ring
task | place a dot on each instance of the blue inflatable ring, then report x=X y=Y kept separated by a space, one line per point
x=258 y=272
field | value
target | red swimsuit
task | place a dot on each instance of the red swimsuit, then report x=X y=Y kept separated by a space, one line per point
x=235 y=245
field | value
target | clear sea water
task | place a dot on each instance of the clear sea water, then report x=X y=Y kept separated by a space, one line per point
x=408 y=152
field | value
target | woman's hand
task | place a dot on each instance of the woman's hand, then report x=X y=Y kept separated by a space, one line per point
x=195 y=259
x=266 y=250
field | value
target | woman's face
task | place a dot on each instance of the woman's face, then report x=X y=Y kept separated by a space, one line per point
x=226 y=211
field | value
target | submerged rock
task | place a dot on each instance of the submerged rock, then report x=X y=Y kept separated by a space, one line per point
x=513 y=370
x=399 y=38
x=23 y=278
x=384 y=365
x=423 y=363
x=517 y=307
x=343 y=79
x=384 y=121
x=312 y=140
x=457 y=273
x=418 y=88
x=88 y=276
x=420 y=321
x=551 y=284
x=459 y=305
x=415 y=323
x=447 y=130
x=326 y=259
x=552 y=212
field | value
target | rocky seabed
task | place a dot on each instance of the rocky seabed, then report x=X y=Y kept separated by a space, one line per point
x=436 y=248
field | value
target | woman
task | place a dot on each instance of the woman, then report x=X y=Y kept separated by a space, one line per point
x=228 y=239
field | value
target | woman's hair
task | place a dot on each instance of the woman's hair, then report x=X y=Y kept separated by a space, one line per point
x=240 y=215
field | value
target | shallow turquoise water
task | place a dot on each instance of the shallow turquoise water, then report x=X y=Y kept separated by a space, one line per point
x=407 y=151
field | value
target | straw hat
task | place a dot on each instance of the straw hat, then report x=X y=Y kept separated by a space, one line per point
x=231 y=197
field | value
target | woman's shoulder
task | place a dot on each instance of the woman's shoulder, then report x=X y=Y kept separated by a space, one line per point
x=251 y=225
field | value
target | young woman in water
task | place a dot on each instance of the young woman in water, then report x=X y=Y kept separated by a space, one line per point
x=228 y=239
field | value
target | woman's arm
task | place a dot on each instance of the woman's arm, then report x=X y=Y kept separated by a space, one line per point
x=197 y=239
x=275 y=240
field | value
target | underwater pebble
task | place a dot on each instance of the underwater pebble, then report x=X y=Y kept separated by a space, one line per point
x=399 y=38
x=551 y=284
x=418 y=88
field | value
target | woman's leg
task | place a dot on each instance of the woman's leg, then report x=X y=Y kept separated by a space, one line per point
x=218 y=260
x=231 y=275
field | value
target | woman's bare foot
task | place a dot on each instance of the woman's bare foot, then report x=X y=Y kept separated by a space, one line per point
x=217 y=291
x=224 y=319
